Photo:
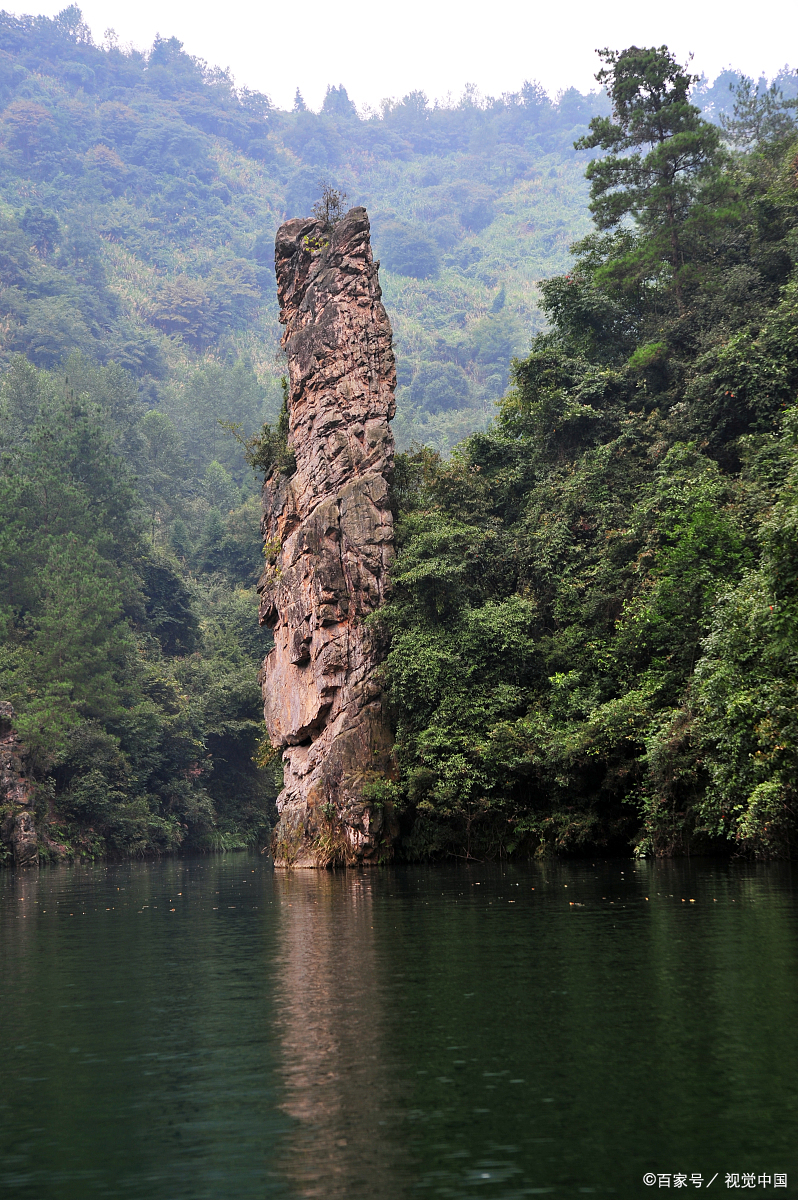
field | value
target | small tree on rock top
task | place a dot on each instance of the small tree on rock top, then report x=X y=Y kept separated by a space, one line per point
x=330 y=208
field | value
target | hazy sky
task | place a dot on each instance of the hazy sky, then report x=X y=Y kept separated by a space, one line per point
x=378 y=49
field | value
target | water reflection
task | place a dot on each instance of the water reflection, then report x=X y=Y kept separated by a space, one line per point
x=209 y=1030
x=340 y=1083
x=134 y=1053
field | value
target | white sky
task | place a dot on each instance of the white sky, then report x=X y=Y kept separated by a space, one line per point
x=380 y=50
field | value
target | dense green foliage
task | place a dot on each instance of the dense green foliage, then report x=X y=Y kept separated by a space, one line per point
x=596 y=605
x=140 y=195
x=576 y=609
x=133 y=676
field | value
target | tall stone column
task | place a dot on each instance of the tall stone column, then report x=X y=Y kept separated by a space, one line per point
x=328 y=535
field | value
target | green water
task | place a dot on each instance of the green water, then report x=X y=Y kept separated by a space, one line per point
x=210 y=1028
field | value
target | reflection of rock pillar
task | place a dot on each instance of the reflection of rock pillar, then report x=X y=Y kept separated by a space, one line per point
x=328 y=530
x=339 y=1084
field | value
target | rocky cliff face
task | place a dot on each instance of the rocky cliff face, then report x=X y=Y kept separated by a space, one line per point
x=328 y=534
x=17 y=825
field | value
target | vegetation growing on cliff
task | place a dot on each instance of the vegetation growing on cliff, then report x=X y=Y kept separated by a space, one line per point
x=594 y=624
x=545 y=573
x=139 y=197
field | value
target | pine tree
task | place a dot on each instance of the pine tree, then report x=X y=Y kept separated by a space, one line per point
x=661 y=152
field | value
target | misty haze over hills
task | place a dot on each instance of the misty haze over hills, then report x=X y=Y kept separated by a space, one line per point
x=139 y=199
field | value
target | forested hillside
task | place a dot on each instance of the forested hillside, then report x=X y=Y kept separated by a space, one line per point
x=595 y=626
x=139 y=197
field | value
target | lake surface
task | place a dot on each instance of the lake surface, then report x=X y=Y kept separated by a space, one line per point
x=208 y=1027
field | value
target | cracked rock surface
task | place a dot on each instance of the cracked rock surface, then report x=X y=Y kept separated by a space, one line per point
x=328 y=535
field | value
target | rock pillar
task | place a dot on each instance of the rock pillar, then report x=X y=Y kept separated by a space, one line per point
x=328 y=535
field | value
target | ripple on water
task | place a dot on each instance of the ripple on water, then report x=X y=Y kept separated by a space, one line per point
x=210 y=1028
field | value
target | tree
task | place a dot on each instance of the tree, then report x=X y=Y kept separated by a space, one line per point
x=55 y=328
x=337 y=102
x=330 y=209
x=440 y=386
x=759 y=115
x=658 y=188
x=168 y=605
x=185 y=306
x=42 y=228
x=78 y=634
x=163 y=485
x=30 y=128
x=407 y=250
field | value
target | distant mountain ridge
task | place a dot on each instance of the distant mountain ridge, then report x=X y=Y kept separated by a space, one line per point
x=140 y=193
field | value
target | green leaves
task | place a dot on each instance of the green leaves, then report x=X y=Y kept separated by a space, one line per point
x=659 y=186
x=758 y=116
x=134 y=689
x=549 y=664
x=746 y=691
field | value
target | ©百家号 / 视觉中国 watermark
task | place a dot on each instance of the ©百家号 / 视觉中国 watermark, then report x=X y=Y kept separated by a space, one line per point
x=738 y=1179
